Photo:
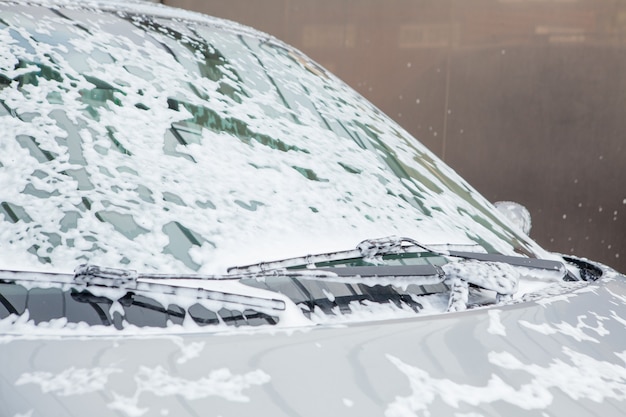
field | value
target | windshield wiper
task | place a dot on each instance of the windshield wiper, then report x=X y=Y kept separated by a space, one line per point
x=494 y=272
x=129 y=280
x=372 y=249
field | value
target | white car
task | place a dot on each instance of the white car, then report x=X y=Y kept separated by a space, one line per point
x=197 y=219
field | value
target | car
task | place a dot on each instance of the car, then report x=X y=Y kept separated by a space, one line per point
x=197 y=219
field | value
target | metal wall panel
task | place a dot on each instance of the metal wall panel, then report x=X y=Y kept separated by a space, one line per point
x=524 y=98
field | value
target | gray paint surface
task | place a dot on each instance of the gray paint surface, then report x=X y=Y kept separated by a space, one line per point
x=562 y=355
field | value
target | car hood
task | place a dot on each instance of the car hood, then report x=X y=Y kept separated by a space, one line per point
x=169 y=142
x=562 y=355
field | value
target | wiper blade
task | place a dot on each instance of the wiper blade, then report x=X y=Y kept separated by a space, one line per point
x=369 y=275
x=385 y=271
x=366 y=250
x=93 y=274
x=131 y=280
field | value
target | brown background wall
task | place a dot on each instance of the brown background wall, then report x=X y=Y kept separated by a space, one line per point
x=524 y=98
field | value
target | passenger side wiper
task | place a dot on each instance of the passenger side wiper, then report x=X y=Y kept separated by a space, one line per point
x=495 y=272
x=371 y=249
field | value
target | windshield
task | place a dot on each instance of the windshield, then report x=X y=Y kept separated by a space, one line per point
x=190 y=145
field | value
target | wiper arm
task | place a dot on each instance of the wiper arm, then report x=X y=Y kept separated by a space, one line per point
x=533 y=263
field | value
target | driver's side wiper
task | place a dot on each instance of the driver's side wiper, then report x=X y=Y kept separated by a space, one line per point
x=129 y=280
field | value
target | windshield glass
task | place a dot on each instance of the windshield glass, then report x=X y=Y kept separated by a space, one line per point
x=192 y=145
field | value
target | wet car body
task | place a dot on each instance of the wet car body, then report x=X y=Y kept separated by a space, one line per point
x=519 y=360
x=164 y=176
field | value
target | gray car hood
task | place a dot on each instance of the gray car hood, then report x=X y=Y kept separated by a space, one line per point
x=561 y=355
